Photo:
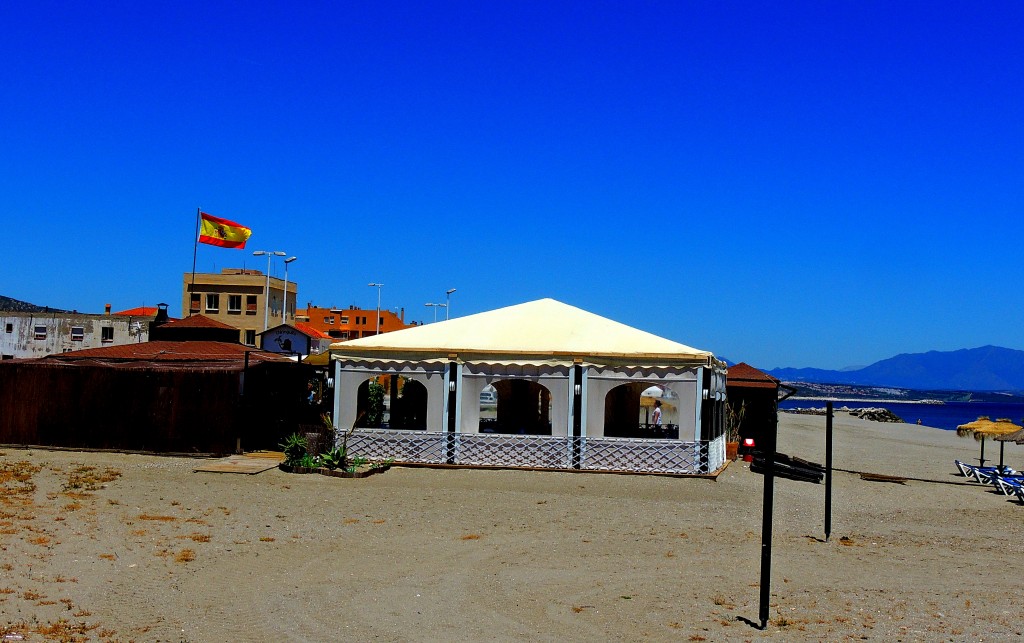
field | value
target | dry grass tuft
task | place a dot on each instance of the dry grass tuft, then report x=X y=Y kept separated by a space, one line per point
x=16 y=478
x=90 y=478
x=63 y=630
x=157 y=517
x=267 y=539
x=471 y=537
x=349 y=521
x=109 y=556
x=185 y=556
x=200 y=538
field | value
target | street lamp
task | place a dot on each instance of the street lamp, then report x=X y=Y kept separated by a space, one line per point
x=266 y=297
x=284 y=310
x=448 y=304
x=378 y=287
x=435 y=307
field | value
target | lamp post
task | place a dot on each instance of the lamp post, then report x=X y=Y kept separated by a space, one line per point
x=284 y=309
x=378 y=287
x=435 y=307
x=266 y=296
x=448 y=303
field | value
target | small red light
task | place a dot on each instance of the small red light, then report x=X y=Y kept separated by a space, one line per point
x=748 y=442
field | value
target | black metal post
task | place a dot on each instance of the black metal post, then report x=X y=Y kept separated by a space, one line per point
x=828 y=470
x=766 y=521
x=981 y=460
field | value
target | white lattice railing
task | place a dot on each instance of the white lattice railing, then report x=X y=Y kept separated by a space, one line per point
x=538 y=451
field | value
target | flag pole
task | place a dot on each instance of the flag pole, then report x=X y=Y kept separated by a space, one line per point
x=195 y=249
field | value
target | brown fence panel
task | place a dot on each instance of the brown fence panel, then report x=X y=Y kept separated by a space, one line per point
x=150 y=408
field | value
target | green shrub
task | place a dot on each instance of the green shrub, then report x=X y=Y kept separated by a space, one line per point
x=294 y=448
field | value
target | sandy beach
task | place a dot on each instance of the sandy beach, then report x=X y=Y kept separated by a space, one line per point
x=104 y=546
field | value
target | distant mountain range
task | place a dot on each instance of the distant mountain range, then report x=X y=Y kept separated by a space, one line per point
x=17 y=306
x=989 y=368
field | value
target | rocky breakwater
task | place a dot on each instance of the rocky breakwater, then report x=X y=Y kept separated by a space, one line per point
x=870 y=414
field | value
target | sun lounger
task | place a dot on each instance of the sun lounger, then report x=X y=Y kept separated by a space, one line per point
x=986 y=474
x=982 y=474
x=1009 y=485
x=1019 y=492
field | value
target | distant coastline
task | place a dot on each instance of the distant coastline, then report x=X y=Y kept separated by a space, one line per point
x=941 y=414
x=861 y=400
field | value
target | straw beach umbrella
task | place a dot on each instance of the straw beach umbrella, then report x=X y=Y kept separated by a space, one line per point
x=984 y=427
x=1017 y=437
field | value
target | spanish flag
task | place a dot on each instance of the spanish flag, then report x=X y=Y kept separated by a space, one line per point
x=221 y=232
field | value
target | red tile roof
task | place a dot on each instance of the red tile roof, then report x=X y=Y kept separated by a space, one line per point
x=170 y=351
x=197 y=321
x=312 y=332
x=141 y=311
x=746 y=376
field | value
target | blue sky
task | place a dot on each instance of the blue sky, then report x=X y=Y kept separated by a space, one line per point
x=787 y=184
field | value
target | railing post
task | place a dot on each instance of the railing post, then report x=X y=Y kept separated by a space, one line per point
x=577 y=415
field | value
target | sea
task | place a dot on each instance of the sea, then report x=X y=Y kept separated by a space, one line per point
x=947 y=415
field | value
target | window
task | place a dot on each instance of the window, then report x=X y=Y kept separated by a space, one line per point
x=10 y=328
x=344 y=320
x=380 y=321
x=250 y=304
x=194 y=305
x=77 y=333
x=212 y=303
x=250 y=337
x=40 y=332
x=329 y=320
x=235 y=304
x=107 y=333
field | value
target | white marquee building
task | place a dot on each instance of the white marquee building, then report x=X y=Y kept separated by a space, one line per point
x=568 y=384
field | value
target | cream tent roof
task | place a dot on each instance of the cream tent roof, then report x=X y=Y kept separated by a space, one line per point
x=544 y=329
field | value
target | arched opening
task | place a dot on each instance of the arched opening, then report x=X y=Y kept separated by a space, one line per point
x=409 y=409
x=370 y=403
x=641 y=410
x=521 y=407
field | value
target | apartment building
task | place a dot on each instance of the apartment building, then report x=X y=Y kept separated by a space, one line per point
x=38 y=334
x=245 y=299
x=351 y=323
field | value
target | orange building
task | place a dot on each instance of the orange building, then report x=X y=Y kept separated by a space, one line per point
x=350 y=323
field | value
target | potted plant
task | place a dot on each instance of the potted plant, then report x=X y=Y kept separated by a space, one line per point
x=733 y=421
